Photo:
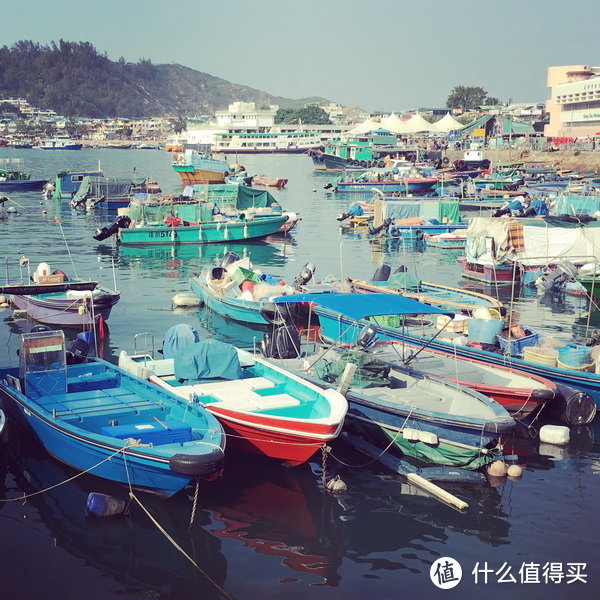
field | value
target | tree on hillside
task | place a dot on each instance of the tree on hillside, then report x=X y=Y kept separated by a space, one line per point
x=467 y=97
x=309 y=114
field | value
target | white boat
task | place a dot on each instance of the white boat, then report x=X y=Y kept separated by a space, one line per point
x=268 y=142
x=60 y=144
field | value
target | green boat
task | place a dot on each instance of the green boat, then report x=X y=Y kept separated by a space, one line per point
x=591 y=283
x=209 y=232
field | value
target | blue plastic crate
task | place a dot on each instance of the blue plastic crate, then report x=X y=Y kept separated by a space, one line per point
x=515 y=347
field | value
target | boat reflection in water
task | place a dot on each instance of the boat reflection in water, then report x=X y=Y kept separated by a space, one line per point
x=182 y=261
x=131 y=550
x=281 y=513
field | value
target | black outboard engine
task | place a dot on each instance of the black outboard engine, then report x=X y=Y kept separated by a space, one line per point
x=283 y=343
x=77 y=352
x=500 y=212
x=228 y=259
x=382 y=273
x=305 y=275
x=386 y=223
x=366 y=336
x=120 y=222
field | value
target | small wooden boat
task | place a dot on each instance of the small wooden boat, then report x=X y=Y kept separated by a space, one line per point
x=63 y=302
x=265 y=181
x=580 y=390
x=519 y=392
x=420 y=415
x=96 y=417
x=453 y=240
x=263 y=408
x=443 y=296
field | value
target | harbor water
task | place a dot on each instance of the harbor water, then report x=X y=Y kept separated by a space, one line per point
x=265 y=531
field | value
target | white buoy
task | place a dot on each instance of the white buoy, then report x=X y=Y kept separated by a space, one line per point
x=336 y=485
x=554 y=434
x=497 y=469
x=314 y=189
x=186 y=299
x=514 y=471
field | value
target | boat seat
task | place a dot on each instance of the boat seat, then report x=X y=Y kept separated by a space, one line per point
x=92 y=382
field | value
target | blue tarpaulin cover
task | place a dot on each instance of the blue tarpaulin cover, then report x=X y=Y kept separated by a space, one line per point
x=208 y=359
x=177 y=338
x=360 y=306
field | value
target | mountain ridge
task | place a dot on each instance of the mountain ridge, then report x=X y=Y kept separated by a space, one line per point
x=76 y=80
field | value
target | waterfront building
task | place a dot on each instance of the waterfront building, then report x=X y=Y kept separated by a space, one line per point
x=574 y=104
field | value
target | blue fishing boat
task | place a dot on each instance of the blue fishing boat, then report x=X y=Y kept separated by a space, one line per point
x=577 y=405
x=422 y=416
x=17 y=181
x=96 y=417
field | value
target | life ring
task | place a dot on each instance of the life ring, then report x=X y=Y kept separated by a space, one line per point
x=349 y=161
x=381 y=164
x=445 y=160
x=363 y=163
x=354 y=163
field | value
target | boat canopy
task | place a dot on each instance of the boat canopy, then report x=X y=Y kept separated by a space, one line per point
x=208 y=359
x=360 y=306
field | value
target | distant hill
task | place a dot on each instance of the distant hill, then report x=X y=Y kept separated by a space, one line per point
x=76 y=80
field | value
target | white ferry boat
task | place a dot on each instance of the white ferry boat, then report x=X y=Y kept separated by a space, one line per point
x=255 y=143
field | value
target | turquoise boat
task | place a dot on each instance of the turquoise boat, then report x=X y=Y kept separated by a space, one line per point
x=211 y=232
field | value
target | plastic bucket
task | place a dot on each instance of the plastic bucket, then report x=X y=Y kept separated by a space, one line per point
x=484 y=330
x=538 y=358
x=458 y=324
x=574 y=356
x=588 y=367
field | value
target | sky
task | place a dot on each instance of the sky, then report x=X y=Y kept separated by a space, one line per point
x=387 y=56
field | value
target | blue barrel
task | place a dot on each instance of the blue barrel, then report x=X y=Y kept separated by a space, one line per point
x=484 y=330
x=574 y=356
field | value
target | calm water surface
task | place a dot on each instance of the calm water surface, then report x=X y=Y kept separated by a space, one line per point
x=265 y=531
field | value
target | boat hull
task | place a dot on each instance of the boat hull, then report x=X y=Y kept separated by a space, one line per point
x=491 y=274
x=290 y=442
x=22 y=186
x=232 y=308
x=205 y=233
x=390 y=187
x=190 y=175
x=142 y=467
x=67 y=312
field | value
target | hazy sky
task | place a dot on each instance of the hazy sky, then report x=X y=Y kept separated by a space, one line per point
x=386 y=56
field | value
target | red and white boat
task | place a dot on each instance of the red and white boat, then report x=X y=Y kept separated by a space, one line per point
x=519 y=392
x=263 y=408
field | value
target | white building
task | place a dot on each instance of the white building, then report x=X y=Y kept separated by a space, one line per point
x=246 y=116
x=574 y=105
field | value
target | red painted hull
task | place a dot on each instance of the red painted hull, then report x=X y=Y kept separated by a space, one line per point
x=498 y=275
x=290 y=441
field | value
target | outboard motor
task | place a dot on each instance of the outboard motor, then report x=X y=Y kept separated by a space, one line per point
x=382 y=273
x=366 y=336
x=386 y=223
x=228 y=259
x=120 y=222
x=283 y=343
x=305 y=275
x=77 y=352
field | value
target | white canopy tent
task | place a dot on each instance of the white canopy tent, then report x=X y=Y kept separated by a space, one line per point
x=395 y=124
x=366 y=126
x=417 y=124
x=448 y=123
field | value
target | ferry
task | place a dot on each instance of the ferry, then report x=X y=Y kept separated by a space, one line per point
x=295 y=142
